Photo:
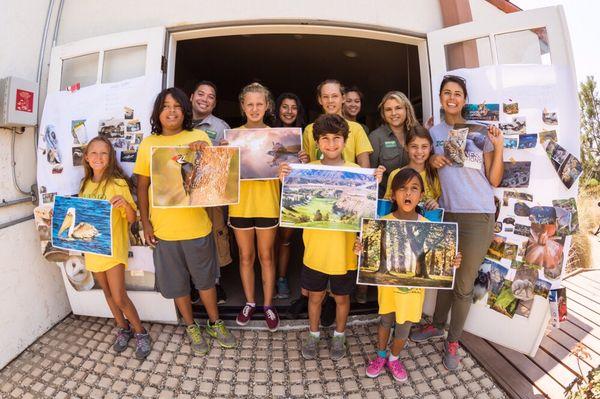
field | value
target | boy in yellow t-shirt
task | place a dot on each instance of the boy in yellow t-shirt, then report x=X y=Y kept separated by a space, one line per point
x=184 y=245
x=328 y=255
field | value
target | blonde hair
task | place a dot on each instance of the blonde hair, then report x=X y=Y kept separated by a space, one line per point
x=411 y=118
x=256 y=87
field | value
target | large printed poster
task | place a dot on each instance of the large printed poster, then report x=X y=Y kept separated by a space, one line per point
x=118 y=111
x=534 y=107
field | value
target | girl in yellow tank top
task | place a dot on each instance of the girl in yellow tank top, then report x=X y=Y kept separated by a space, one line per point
x=402 y=306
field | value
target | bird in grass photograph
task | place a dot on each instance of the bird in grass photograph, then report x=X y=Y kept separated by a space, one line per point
x=81 y=231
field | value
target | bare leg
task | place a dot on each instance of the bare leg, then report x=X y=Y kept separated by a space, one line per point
x=265 y=239
x=114 y=309
x=245 y=241
x=383 y=335
x=116 y=283
x=315 y=298
x=397 y=346
x=209 y=300
x=184 y=305
x=342 y=308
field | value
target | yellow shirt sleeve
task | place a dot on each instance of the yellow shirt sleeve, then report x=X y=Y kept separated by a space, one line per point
x=308 y=143
x=142 y=161
x=388 y=188
x=362 y=143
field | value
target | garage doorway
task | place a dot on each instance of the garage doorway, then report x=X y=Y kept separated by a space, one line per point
x=295 y=61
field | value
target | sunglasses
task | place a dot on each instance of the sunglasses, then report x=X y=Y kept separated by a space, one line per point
x=454 y=77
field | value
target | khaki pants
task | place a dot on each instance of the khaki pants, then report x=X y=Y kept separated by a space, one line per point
x=220 y=231
x=475 y=233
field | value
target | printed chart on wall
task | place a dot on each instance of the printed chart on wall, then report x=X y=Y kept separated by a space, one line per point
x=537 y=209
x=118 y=111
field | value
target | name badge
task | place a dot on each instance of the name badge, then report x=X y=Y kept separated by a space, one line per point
x=211 y=134
x=390 y=144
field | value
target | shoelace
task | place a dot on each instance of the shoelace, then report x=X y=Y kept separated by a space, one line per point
x=123 y=335
x=246 y=310
x=379 y=362
x=453 y=348
x=142 y=343
x=194 y=333
x=397 y=367
x=270 y=314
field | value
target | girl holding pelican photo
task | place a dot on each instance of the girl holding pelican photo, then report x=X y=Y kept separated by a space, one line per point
x=104 y=179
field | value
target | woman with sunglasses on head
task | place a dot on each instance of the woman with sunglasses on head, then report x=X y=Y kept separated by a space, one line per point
x=468 y=200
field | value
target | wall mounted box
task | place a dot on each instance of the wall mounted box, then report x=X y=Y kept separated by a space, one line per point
x=18 y=102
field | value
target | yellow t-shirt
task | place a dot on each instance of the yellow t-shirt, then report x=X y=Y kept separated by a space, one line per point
x=406 y=303
x=258 y=199
x=431 y=191
x=120 y=233
x=357 y=143
x=327 y=251
x=173 y=224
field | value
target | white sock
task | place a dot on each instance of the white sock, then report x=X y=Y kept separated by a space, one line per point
x=392 y=358
x=253 y=304
x=338 y=334
x=315 y=334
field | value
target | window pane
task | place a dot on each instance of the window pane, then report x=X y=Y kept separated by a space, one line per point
x=469 y=54
x=524 y=47
x=82 y=70
x=124 y=63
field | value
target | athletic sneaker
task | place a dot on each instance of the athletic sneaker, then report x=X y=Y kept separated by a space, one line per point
x=219 y=332
x=272 y=318
x=298 y=306
x=425 y=333
x=451 y=359
x=328 y=311
x=197 y=341
x=143 y=345
x=283 y=289
x=376 y=366
x=338 y=347
x=397 y=369
x=245 y=315
x=122 y=339
x=310 y=346
x=221 y=295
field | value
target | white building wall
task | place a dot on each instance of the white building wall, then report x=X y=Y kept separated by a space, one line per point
x=32 y=293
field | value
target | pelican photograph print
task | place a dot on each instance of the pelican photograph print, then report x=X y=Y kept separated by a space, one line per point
x=407 y=254
x=82 y=224
x=183 y=178
x=263 y=150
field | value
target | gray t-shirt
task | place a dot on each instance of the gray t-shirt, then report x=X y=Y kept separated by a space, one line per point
x=464 y=189
x=213 y=126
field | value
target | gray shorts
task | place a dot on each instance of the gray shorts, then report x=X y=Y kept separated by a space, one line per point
x=401 y=331
x=176 y=261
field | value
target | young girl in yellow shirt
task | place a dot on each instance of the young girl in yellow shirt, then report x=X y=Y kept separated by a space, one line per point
x=402 y=306
x=257 y=214
x=104 y=179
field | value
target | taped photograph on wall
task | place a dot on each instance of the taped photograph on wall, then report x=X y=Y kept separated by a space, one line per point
x=263 y=150
x=407 y=254
x=184 y=178
x=82 y=224
x=328 y=197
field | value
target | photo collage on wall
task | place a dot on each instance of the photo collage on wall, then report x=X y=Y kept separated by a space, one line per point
x=532 y=235
x=124 y=133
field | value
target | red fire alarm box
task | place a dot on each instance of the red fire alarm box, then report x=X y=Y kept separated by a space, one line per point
x=18 y=102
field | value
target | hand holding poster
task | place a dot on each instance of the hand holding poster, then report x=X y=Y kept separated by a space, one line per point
x=328 y=197
x=82 y=224
x=263 y=150
x=185 y=178
x=407 y=254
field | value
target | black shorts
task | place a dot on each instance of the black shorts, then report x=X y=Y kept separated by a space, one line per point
x=313 y=280
x=253 y=223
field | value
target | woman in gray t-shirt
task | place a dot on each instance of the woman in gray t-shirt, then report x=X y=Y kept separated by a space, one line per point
x=388 y=140
x=468 y=199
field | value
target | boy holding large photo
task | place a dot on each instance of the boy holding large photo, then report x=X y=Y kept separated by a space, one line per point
x=182 y=239
x=328 y=255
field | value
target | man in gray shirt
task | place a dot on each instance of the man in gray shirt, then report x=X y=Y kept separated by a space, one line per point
x=204 y=100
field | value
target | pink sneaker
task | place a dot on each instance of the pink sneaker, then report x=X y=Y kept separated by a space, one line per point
x=245 y=315
x=376 y=366
x=398 y=371
x=272 y=318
